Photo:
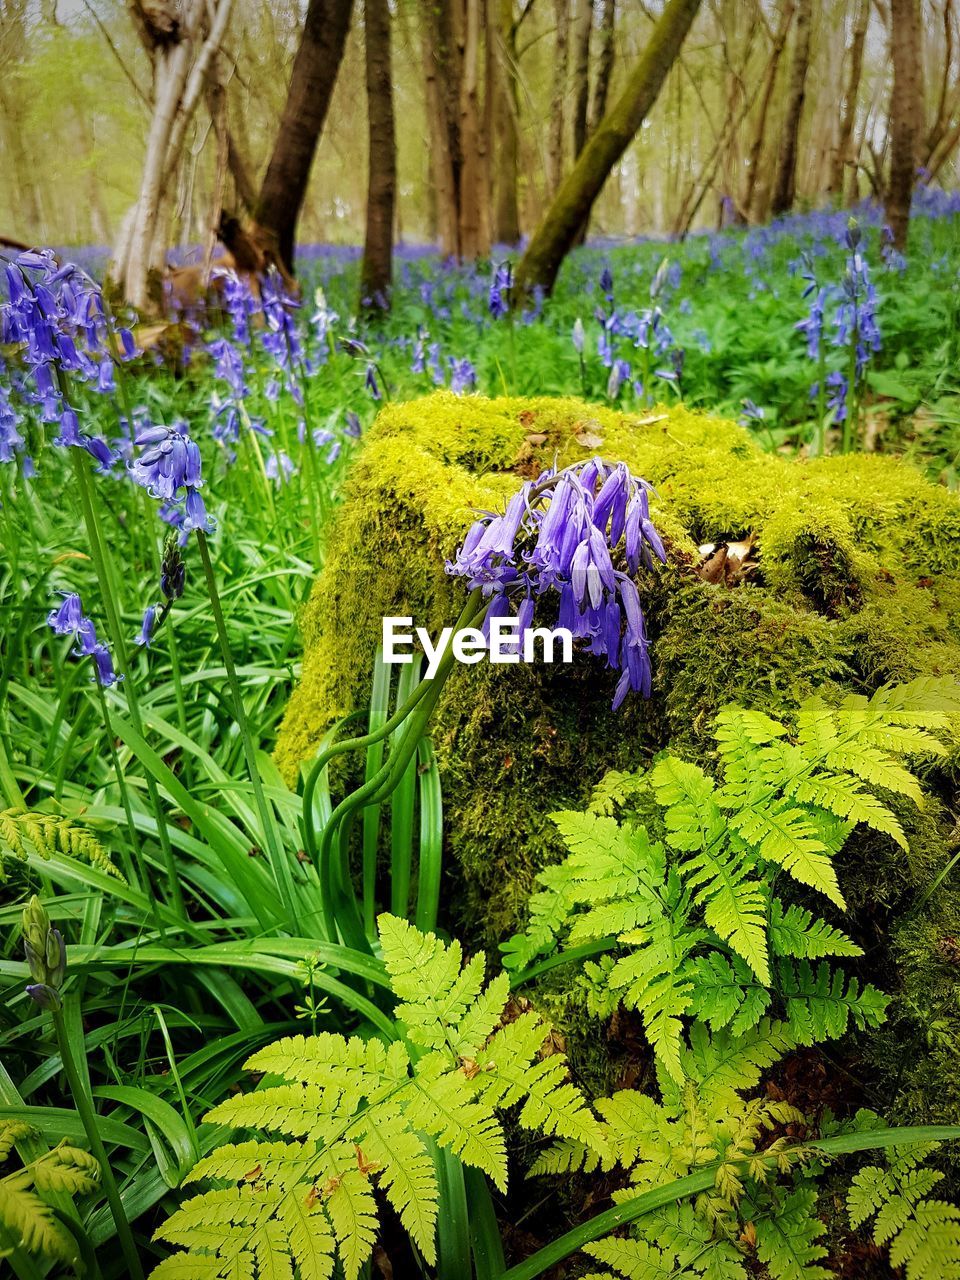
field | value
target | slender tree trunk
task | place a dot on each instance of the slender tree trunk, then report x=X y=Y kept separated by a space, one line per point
x=842 y=155
x=787 y=10
x=472 y=240
x=507 y=110
x=442 y=76
x=215 y=92
x=784 y=187
x=946 y=101
x=605 y=60
x=376 y=274
x=906 y=105
x=573 y=202
x=311 y=87
x=601 y=86
x=581 y=75
x=183 y=46
x=561 y=9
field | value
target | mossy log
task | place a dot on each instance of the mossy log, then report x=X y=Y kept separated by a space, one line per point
x=854 y=583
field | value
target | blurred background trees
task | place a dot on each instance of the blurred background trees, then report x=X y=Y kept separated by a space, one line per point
x=130 y=125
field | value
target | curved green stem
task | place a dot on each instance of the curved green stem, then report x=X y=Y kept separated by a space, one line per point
x=417 y=711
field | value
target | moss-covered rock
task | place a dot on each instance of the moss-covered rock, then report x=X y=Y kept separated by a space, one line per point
x=856 y=583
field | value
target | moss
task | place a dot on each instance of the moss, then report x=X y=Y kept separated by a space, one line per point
x=857 y=584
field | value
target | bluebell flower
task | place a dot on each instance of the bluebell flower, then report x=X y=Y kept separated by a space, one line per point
x=371 y=383
x=146 y=627
x=11 y=441
x=66 y=620
x=752 y=413
x=69 y=619
x=619 y=374
x=463 y=376
x=501 y=287
x=564 y=535
x=169 y=468
x=279 y=467
x=578 y=337
x=353 y=425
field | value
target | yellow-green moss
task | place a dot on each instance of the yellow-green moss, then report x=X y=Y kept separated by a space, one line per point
x=858 y=584
x=857 y=553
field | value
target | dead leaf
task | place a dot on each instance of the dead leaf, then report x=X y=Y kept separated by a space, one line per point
x=729 y=564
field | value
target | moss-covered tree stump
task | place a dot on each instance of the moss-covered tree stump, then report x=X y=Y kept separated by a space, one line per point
x=851 y=580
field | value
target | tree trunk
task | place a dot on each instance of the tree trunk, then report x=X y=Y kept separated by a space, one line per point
x=473 y=241
x=170 y=35
x=561 y=10
x=787 y=10
x=311 y=87
x=454 y=33
x=376 y=275
x=842 y=156
x=558 y=230
x=784 y=187
x=605 y=59
x=507 y=111
x=906 y=105
x=442 y=77
x=581 y=75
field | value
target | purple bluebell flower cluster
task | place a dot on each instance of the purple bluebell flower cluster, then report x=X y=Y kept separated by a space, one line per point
x=69 y=620
x=855 y=323
x=501 y=289
x=55 y=313
x=566 y=535
x=169 y=469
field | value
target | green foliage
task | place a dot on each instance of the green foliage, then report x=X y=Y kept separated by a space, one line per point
x=355 y=1115
x=923 y=1234
x=26 y=1219
x=707 y=1122
x=26 y=830
x=703 y=928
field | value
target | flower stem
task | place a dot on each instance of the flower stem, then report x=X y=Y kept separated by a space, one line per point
x=88 y=1118
x=105 y=576
x=128 y=812
x=275 y=850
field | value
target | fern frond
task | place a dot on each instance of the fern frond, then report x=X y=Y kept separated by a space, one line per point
x=734 y=903
x=722 y=1065
x=821 y=1001
x=725 y=993
x=12 y=1132
x=29 y=1219
x=929 y=1244
x=652 y=978
x=842 y=796
x=510 y=1070
x=566 y=1156
x=356 y=1116
x=692 y=815
x=787 y=1239
x=795 y=932
x=408 y=1176
x=435 y=987
x=923 y=1234
x=23 y=831
x=24 y=1215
